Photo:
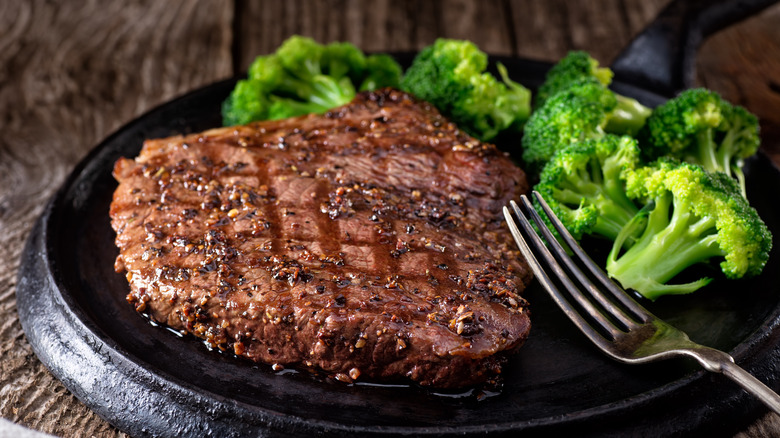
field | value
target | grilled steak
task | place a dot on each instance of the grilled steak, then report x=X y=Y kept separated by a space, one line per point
x=367 y=243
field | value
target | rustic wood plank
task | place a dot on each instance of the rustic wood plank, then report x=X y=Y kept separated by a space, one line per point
x=742 y=64
x=382 y=25
x=70 y=76
x=538 y=29
x=547 y=30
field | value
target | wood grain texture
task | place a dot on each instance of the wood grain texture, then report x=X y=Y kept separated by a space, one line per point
x=742 y=63
x=547 y=30
x=72 y=72
x=71 y=75
x=381 y=25
x=543 y=30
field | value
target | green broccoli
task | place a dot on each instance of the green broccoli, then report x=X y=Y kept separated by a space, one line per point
x=583 y=184
x=450 y=74
x=700 y=127
x=694 y=217
x=574 y=67
x=382 y=70
x=579 y=112
x=304 y=77
x=627 y=116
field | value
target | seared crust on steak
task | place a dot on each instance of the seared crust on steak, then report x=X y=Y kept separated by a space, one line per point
x=367 y=242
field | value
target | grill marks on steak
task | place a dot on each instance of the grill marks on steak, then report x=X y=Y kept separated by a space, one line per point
x=366 y=242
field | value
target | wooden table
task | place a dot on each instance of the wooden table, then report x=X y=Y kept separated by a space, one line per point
x=73 y=72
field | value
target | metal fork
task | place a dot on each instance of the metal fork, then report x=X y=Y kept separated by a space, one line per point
x=616 y=323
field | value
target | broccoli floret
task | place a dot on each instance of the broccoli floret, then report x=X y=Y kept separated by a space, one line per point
x=583 y=184
x=304 y=77
x=381 y=71
x=450 y=74
x=628 y=115
x=574 y=67
x=694 y=217
x=577 y=113
x=700 y=127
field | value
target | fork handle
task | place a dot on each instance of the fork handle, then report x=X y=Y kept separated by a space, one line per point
x=751 y=385
x=717 y=361
x=720 y=362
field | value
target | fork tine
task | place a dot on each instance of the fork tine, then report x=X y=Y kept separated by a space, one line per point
x=618 y=293
x=618 y=313
x=562 y=257
x=544 y=279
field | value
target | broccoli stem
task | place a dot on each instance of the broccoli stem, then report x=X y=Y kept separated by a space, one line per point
x=615 y=209
x=736 y=170
x=320 y=93
x=730 y=166
x=618 y=210
x=706 y=151
x=628 y=117
x=612 y=218
x=328 y=92
x=725 y=152
x=670 y=243
x=524 y=94
x=718 y=157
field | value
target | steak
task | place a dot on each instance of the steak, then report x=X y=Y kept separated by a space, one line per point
x=366 y=243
